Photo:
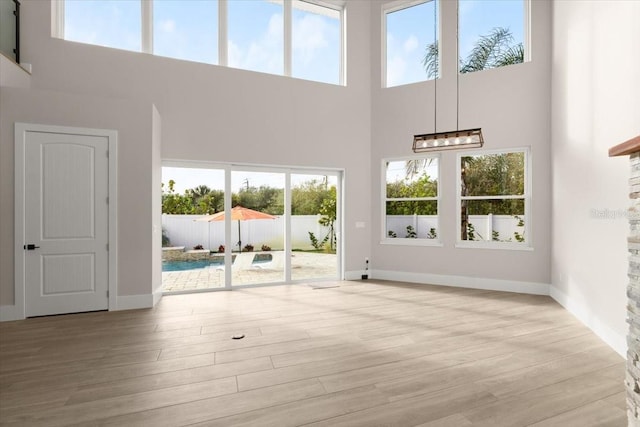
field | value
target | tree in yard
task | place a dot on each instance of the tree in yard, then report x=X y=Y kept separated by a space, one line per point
x=198 y=192
x=411 y=188
x=307 y=197
x=327 y=213
x=200 y=200
x=174 y=203
x=263 y=199
x=491 y=175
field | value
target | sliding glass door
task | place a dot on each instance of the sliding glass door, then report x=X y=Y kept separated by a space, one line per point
x=227 y=226
x=314 y=227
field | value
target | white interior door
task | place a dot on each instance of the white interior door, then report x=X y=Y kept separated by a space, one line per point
x=66 y=223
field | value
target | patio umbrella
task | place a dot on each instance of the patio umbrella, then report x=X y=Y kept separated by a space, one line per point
x=238 y=213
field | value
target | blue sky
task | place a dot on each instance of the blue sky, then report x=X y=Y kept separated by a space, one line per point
x=186 y=29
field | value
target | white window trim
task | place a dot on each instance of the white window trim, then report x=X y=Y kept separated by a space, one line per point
x=526 y=36
x=404 y=241
x=146 y=26
x=146 y=35
x=57 y=19
x=395 y=6
x=527 y=245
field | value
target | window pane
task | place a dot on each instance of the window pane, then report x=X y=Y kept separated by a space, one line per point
x=494 y=206
x=491 y=34
x=186 y=29
x=411 y=33
x=493 y=220
x=316 y=43
x=415 y=219
x=493 y=175
x=262 y=192
x=111 y=23
x=256 y=36
x=412 y=178
x=189 y=194
x=314 y=227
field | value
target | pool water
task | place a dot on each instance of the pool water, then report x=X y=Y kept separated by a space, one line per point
x=189 y=265
x=213 y=261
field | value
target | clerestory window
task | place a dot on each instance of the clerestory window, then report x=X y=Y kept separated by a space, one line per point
x=298 y=38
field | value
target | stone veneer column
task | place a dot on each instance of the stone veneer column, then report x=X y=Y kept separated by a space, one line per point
x=631 y=148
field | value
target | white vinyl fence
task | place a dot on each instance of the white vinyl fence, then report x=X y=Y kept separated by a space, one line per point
x=183 y=230
x=484 y=225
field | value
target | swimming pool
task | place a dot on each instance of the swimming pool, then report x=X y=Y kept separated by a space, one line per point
x=213 y=261
x=190 y=265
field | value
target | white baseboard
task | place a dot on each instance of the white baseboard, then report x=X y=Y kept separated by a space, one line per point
x=132 y=302
x=157 y=296
x=8 y=313
x=127 y=302
x=463 y=282
x=612 y=338
x=354 y=275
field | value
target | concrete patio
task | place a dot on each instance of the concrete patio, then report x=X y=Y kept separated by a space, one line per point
x=304 y=266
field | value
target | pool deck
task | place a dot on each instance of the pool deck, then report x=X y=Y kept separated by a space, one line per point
x=304 y=266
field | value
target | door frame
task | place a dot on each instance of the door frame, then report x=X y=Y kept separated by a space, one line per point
x=21 y=130
x=287 y=170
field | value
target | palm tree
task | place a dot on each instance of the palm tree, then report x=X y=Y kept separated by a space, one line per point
x=415 y=167
x=492 y=50
x=197 y=193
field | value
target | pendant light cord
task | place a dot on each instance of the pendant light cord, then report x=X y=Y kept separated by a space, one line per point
x=435 y=81
x=457 y=65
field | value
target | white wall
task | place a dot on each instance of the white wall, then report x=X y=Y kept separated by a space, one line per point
x=156 y=203
x=13 y=75
x=595 y=105
x=133 y=120
x=511 y=104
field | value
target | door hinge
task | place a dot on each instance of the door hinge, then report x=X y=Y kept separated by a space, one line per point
x=107 y=246
x=107 y=154
x=107 y=294
x=107 y=200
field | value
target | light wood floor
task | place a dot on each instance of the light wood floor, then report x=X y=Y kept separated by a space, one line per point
x=361 y=354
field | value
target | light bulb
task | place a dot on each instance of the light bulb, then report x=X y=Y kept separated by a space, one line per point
x=436 y=142
x=457 y=141
x=468 y=140
x=424 y=144
x=446 y=142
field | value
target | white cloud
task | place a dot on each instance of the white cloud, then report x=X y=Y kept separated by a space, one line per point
x=396 y=69
x=262 y=54
x=410 y=44
x=167 y=26
x=309 y=37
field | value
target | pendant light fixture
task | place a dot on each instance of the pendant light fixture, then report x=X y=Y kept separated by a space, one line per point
x=450 y=140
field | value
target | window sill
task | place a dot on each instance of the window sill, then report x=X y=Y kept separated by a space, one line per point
x=495 y=245
x=412 y=242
